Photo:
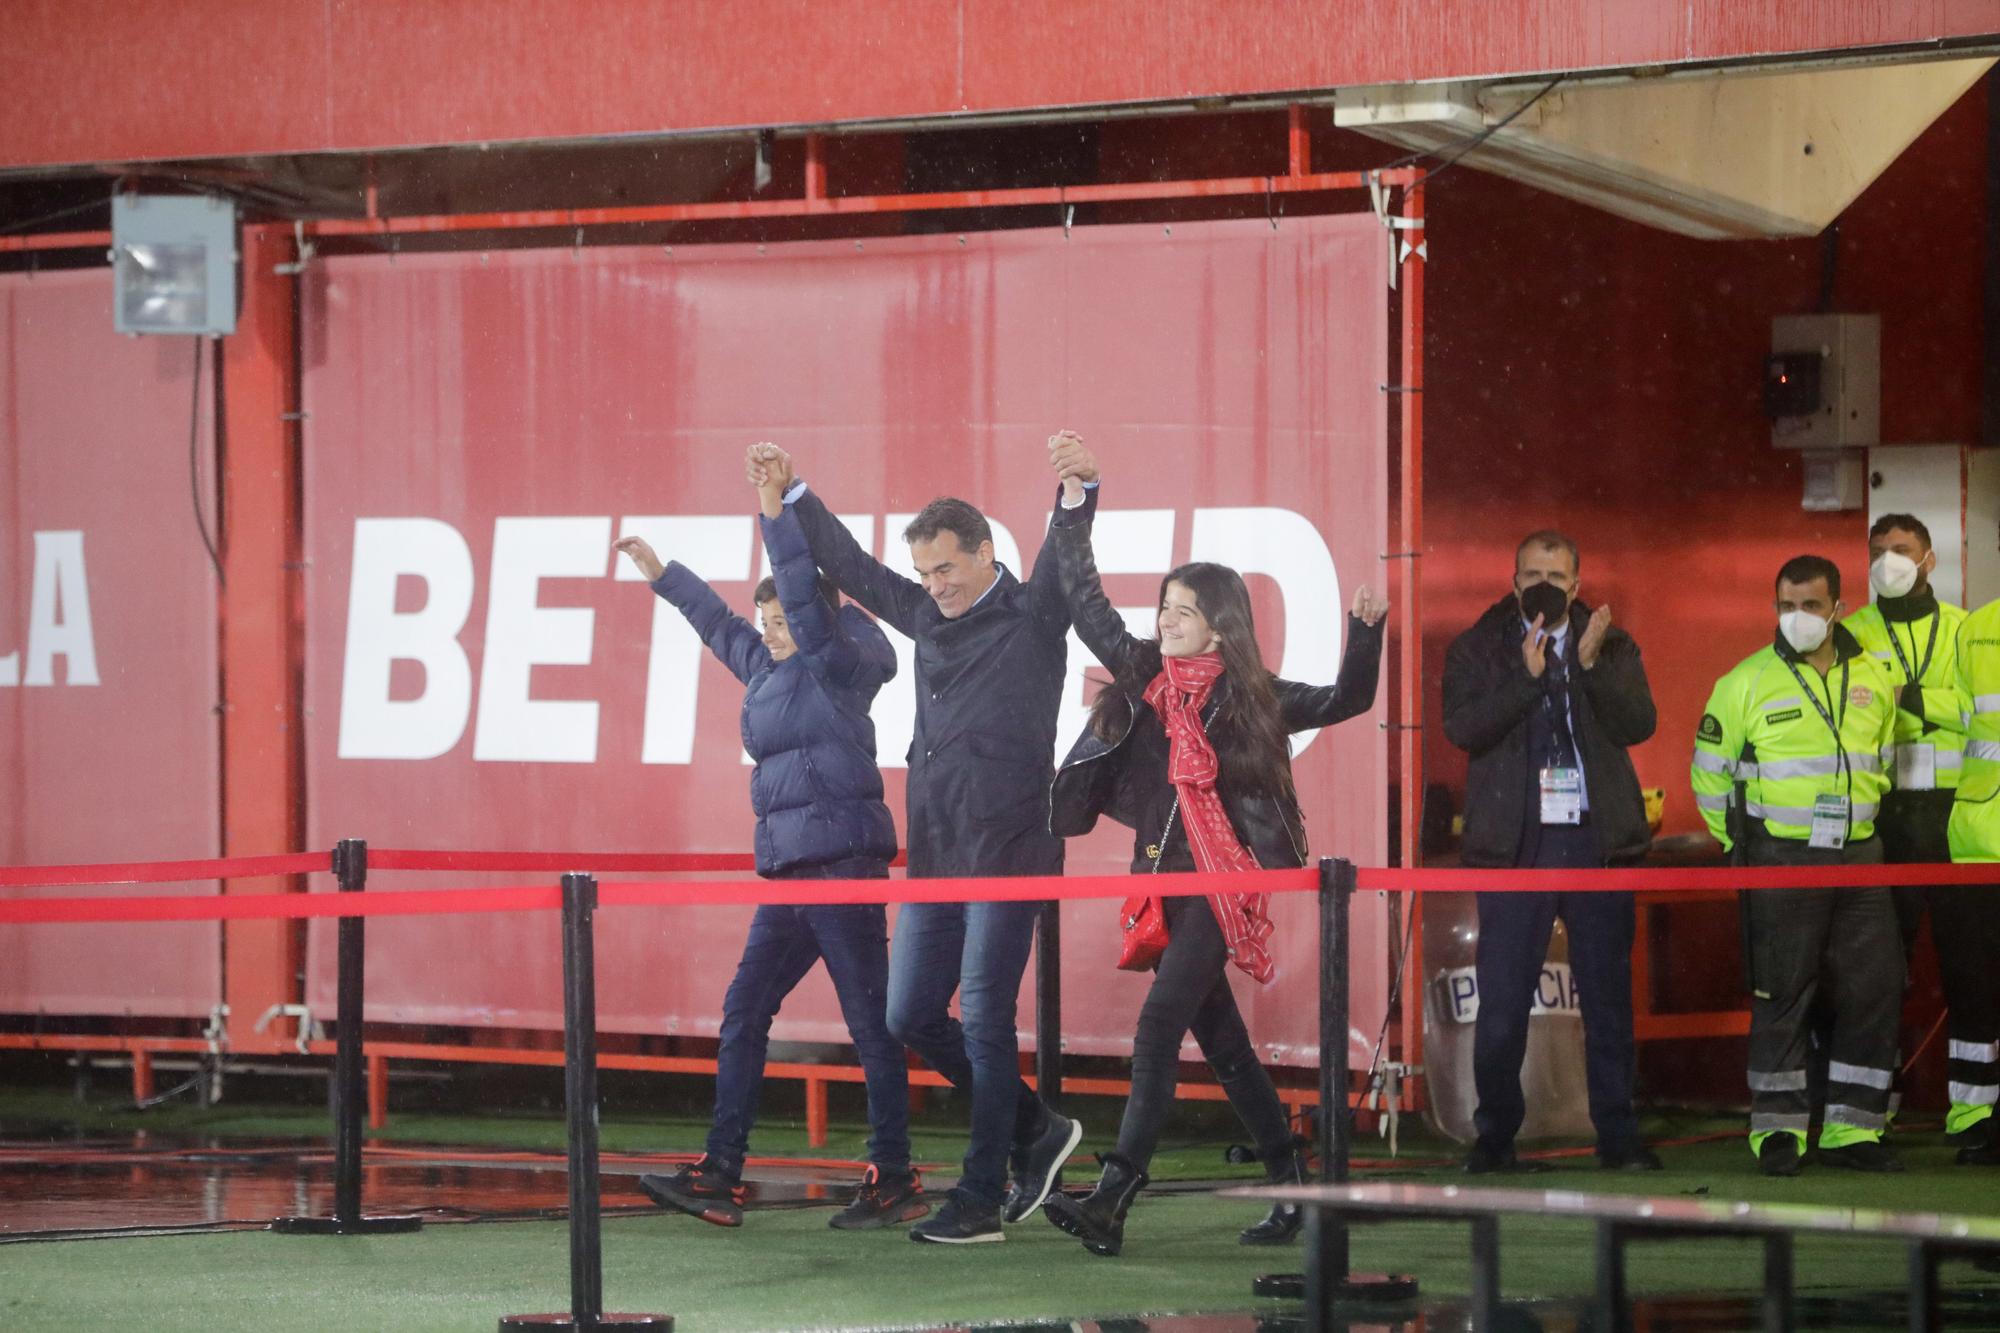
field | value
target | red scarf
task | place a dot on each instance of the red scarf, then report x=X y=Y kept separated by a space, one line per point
x=1178 y=694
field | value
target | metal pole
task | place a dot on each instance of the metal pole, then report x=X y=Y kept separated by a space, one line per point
x=586 y=1238
x=1048 y=1005
x=1327 y=1259
x=1329 y=1278
x=586 y=1258
x=350 y=868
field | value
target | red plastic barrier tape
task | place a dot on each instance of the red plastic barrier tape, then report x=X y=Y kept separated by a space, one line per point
x=703 y=893
x=658 y=863
x=1662 y=879
x=166 y=872
x=267 y=906
x=1026 y=888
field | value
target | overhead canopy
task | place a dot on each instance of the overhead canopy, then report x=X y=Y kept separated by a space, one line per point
x=1714 y=154
x=153 y=80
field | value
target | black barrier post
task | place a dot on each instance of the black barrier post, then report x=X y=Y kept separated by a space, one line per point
x=1048 y=1004
x=350 y=868
x=1328 y=1280
x=586 y=1251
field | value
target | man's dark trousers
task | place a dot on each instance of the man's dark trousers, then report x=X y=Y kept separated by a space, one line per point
x=1514 y=931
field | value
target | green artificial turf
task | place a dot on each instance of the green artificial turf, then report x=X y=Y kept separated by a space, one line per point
x=786 y=1270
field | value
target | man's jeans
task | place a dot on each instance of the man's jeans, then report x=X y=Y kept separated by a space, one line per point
x=979 y=950
x=785 y=941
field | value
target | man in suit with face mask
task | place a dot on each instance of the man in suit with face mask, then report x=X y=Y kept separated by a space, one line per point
x=1545 y=695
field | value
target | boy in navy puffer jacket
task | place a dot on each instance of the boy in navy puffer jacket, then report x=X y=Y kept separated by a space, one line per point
x=817 y=793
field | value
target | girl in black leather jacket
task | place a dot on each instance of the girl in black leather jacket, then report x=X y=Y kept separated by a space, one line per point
x=1188 y=747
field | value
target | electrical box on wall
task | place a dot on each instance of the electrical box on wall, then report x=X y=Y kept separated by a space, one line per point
x=1843 y=353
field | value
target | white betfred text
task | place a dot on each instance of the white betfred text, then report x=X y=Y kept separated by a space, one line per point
x=510 y=724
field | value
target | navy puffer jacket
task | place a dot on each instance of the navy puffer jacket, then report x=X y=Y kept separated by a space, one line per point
x=816 y=790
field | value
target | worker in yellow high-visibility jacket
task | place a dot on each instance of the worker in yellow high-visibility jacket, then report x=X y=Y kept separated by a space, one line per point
x=1913 y=636
x=1974 y=1055
x=1790 y=768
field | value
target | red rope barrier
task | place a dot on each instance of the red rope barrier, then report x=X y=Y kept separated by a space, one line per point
x=166 y=872
x=696 y=893
x=1672 y=879
x=750 y=893
x=654 y=863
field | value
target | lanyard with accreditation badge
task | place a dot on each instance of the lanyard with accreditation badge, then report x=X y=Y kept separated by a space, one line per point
x=1831 y=814
x=1561 y=782
x=1916 y=763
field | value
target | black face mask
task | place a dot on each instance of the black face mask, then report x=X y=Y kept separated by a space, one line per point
x=1545 y=600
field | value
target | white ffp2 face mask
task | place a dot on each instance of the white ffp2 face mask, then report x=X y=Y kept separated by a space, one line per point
x=1893 y=574
x=1803 y=630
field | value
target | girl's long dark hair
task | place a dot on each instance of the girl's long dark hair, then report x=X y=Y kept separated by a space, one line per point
x=1249 y=731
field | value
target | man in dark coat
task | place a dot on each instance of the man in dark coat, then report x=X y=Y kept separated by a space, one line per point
x=1546 y=715
x=990 y=659
x=810 y=676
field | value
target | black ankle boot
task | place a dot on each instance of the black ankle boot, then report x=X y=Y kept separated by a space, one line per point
x=1098 y=1219
x=1284 y=1220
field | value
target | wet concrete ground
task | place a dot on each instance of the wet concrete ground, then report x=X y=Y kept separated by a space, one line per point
x=90 y=1186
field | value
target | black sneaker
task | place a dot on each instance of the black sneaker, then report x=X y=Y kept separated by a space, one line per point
x=883 y=1201
x=1977 y=1145
x=1779 y=1155
x=1637 y=1158
x=960 y=1222
x=1867 y=1155
x=700 y=1189
x=1486 y=1160
x=1035 y=1175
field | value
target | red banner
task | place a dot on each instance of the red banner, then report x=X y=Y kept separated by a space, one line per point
x=482 y=672
x=108 y=721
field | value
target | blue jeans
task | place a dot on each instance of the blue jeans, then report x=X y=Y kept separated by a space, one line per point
x=979 y=950
x=785 y=941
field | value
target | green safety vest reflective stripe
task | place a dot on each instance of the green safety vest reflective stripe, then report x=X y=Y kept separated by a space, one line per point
x=1975 y=815
x=1760 y=730
x=1941 y=727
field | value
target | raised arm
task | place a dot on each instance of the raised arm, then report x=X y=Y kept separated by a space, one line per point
x=1076 y=503
x=825 y=643
x=729 y=636
x=1353 y=690
x=1097 y=622
x=858 y=574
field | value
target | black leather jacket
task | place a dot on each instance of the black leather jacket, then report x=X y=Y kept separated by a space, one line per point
x=1126 y=776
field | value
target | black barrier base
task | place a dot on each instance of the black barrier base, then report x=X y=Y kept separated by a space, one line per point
x=531 y=1323
x=352 y=1226
x=1375 y=1288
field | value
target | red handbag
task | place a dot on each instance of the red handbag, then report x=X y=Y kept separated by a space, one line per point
x=1145 y=934
x=1143 y=919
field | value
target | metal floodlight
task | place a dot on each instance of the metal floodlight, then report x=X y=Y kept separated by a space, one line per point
x=174 y=262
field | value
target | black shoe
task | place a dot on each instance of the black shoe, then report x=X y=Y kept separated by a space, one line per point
x=1282 y=1223
x=1486 y=1160
x=1038 y=1163
x=1978 y=1145
x=700 y=1189
x=959 y=1222
x=1779 y=1155
x=1098 y=1219
x=1867 y=1155
x=883 y=1201
x=1637 y=1158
